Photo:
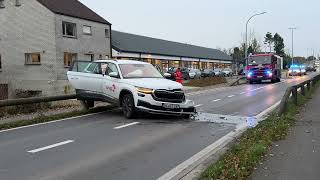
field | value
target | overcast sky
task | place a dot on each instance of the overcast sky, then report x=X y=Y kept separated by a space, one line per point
x=213 y=23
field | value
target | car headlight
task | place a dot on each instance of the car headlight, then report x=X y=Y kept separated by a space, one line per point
x=144 y=90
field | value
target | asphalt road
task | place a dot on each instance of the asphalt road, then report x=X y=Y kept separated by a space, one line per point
x=106 y=146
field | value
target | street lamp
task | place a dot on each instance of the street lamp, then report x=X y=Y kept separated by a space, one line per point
x=292 y=29
x=245 y=46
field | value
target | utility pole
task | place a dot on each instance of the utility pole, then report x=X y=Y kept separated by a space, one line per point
x=292 y=30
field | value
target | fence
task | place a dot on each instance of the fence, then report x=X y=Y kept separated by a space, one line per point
x=293 y=93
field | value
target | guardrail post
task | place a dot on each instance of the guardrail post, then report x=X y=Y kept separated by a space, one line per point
x=295 y=95
x=284 y=102
x=303 y=92
x=308 y=85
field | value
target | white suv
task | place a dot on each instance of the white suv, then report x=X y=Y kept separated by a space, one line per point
x=133 y=85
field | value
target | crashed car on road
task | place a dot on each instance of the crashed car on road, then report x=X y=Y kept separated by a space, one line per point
x=133 y=85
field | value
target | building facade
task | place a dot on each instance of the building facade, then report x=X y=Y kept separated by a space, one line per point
x=39 y=39
x=166 y=54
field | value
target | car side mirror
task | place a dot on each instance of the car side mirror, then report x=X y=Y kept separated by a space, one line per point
x=167 y=75
x=114 y=75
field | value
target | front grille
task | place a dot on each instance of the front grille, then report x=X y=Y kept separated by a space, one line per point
x=175 y=95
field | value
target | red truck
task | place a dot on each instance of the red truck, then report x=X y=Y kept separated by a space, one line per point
x=264 y=67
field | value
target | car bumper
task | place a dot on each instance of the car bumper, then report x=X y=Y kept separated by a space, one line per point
x=150 y=105
x=259 y=78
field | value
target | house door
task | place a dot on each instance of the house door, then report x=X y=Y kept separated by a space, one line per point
x=3 y=91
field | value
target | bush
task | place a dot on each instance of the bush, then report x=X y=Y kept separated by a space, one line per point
x=208 y=81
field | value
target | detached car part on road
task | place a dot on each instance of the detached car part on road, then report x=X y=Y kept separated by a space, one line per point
x=133 y=85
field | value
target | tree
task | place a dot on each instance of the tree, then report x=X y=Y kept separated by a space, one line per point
x=278 y=45
x=250 y=50
x=268 y=39
x=256 y=47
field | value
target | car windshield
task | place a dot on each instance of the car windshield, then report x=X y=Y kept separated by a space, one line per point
x=260 y=60
x=139 y=71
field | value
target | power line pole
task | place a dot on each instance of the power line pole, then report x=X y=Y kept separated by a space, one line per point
x=292 y=29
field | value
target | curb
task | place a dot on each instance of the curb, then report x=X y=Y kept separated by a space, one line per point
x=191 y=168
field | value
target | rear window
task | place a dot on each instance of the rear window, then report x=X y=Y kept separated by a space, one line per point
x=86 y=67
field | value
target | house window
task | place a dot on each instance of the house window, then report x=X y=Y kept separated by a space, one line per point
x=2 y=4
x=69 y=29
x=107 y=33
x=18 y=3
x=69 y=58
x=33 y=58
x=87 y=30
x=90 y=57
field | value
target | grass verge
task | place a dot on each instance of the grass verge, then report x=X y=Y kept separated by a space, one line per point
x=241 y=159
x=43 y=118
x=208 y=81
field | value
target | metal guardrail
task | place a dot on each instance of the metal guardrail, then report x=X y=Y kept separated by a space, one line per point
x=23 y=101
x=292 y=92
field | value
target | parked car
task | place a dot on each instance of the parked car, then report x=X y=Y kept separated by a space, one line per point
x=185 y=73
x=218 y=72
x=195 y=74
x=133 y=85
x=227 y=72
x=311 y=69
x=207 y=73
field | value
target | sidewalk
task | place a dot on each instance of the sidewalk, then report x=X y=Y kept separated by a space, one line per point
x=298 y=156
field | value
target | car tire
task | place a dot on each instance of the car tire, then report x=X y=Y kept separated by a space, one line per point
x=186 y=116
x=128 y=106
x=87 y=104
x=250 y=82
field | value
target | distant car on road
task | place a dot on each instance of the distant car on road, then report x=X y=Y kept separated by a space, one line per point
x=207 y=73
x=227 y=72
x=195 y=74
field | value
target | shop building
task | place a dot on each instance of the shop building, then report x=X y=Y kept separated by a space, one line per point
x=166 y=54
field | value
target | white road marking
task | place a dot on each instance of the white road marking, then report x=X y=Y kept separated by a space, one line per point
x=216 y=100
x=126 y=125
x=51 y=122
x=242 y=93
x=50 y=146
x=231 y=96
x=198 y=105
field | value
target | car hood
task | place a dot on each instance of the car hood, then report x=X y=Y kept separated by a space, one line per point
x=154 y=83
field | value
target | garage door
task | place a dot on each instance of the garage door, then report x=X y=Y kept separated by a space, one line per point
x=3 y=91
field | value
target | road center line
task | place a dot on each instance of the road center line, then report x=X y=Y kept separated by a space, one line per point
x=198 y=105
x=126 y=125
x=50 y=146
x=216 y=100
x=231 y=96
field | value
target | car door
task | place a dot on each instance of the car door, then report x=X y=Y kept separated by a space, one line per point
x=110 y=85
x=85 y=76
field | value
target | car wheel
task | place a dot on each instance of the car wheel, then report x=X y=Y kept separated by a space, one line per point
x=250 y=82
x=186 y=116
x=128 y=107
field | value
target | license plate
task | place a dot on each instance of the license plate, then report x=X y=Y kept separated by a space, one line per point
x=171 y=106
x=259 y=76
